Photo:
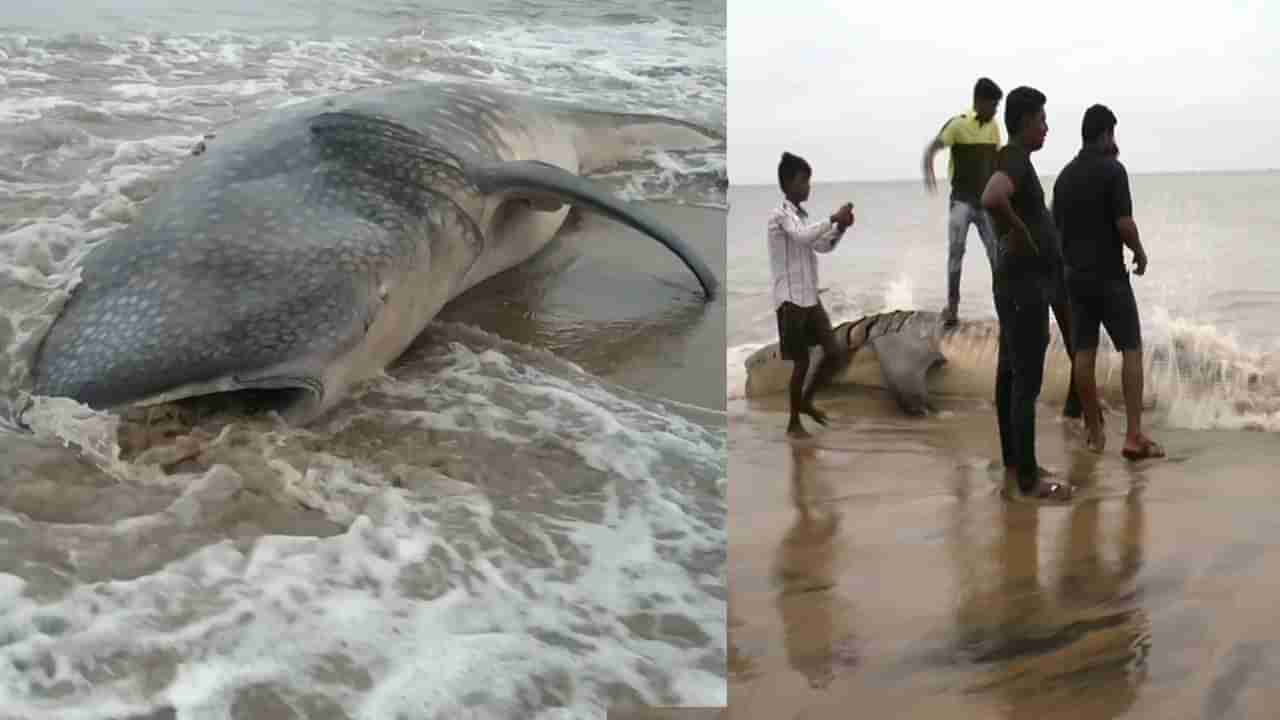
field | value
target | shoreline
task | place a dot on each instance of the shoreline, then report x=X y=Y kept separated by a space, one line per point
x=879 y=565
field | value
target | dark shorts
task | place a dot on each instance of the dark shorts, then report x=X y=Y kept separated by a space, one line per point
x=800 y=328
x=1059 y=292
x=1107 y=303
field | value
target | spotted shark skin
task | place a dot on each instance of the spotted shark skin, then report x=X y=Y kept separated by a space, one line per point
x=307 y=247
x=905 y=343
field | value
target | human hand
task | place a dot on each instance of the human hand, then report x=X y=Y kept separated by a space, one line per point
x=844 y=216
x=1021 y=243
x=930 y=181
x=1140 y=263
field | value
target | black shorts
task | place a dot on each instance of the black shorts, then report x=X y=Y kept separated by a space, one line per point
x=1059 y=293
x=800 y=328
x=1109 y=303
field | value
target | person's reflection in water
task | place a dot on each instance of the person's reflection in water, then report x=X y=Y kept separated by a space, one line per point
x=1085 y=646
x=1063 y=641
x=1104 y=595
x=1086 y=580
x=813 y=616
x=1020 y=597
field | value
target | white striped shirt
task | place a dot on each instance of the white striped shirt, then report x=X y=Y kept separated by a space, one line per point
x=793 y=248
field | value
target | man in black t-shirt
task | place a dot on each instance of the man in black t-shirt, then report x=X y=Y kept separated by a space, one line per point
x=1093 y=212
x=1025 y=282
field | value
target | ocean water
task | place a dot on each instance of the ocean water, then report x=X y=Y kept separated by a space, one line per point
x=517 y=520
x=1207 y=302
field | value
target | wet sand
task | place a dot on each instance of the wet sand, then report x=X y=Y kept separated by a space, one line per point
x=658 y=337
x=876 y=570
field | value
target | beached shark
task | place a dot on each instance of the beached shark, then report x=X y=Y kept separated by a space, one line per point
x=304 y=249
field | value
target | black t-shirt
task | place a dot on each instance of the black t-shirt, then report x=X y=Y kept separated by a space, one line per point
x=1089 y=196
x=1040 y=271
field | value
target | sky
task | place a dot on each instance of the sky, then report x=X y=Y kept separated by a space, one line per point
x=859 y=88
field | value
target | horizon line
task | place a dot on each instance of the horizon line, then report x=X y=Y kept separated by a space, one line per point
x=941 y=181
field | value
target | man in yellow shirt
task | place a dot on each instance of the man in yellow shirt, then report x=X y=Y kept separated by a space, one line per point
x=974 y=139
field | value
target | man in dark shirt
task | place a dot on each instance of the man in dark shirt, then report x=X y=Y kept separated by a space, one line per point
x=1093 y=212
x=1025 y=282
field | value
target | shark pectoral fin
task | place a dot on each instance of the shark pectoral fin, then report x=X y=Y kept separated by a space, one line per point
x=539 y=182
x=905 y=362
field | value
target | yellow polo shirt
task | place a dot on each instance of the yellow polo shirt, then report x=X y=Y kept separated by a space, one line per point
x=973 y=154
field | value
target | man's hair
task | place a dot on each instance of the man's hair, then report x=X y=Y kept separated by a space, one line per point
x=790 y=166
x=987 y=89
x=1097 y=120
x=1023 y=101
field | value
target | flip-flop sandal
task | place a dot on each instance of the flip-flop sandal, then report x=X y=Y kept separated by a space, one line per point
x=1054 y=492
x=1150 y=449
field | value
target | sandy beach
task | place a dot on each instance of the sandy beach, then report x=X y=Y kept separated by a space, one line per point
x=878 y=567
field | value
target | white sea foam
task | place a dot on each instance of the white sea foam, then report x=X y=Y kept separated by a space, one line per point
x=608 y=579
x=736 y=370
x=1196 y=376
x=23 y=108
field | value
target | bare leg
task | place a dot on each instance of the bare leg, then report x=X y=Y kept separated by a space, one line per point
x=1084 y=369
x=1131 y=379
x=832 y=360
x=1137 y=446
x=1062 y=313
x=798 y=373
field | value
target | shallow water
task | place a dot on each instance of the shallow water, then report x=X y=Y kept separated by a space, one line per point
x=523 y=518
x=884 y=568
